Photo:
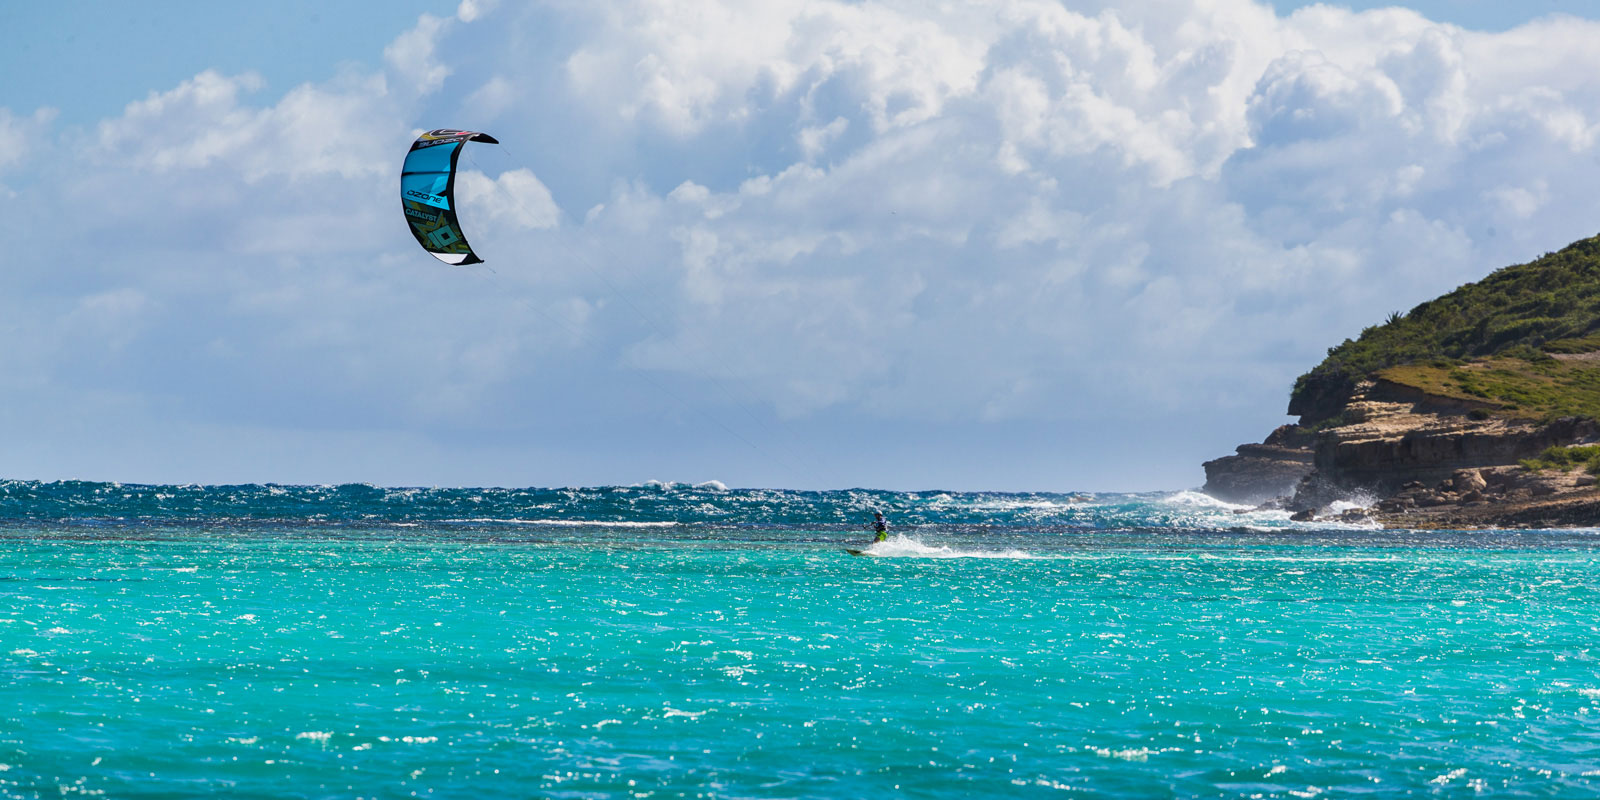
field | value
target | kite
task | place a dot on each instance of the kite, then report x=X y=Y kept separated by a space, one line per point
x=428 y=193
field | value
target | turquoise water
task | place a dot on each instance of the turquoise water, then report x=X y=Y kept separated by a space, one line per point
x=671 y=641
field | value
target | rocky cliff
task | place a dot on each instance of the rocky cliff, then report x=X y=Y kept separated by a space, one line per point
x=1419 y=461
x=1410 y=451
x=1392 y=436
x=1437 y=418
x=1258 y=473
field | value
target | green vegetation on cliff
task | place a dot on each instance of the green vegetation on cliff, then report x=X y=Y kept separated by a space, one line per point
x=1566 y=459
x=1539 y=388
x=1486 y=342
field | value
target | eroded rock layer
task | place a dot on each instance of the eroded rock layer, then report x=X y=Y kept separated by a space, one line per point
x=1257 y=473
x=1419 y=461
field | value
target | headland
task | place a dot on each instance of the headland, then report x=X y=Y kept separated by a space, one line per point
x=1478 y=409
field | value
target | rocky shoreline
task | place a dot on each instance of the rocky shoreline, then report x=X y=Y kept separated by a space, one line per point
x=1412 y=460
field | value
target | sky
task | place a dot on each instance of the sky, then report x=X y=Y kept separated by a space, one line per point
x=1014 y=245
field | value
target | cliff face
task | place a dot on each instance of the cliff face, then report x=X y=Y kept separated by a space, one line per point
x=1390 y=439
x=1257 y=473
x=1396 y=440
x=1426 y=461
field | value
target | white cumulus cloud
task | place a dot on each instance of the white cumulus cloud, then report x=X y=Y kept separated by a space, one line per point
x=839 y=214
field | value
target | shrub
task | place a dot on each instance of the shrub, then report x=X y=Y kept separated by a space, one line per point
x=1566 y=459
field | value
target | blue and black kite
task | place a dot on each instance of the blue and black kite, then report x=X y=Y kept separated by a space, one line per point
x=428 y=193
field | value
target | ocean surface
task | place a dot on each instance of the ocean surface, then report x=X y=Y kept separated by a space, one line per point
x=693 y=641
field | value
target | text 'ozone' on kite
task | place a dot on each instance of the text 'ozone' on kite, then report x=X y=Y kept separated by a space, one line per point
x=428 y=193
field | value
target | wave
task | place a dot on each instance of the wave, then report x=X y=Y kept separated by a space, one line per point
x=567 y=523
x=902 y=546
x=1203 y=510
x=1196 y=499
x=704 y=486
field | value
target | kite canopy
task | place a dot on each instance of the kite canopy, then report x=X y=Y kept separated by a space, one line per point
x=428 y=193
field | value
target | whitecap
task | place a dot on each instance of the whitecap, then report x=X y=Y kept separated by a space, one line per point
x=1026 y=505
x=1449 y=776
x=902 y=546
x=1201 y=500
x=1359 y=501
x=1131 y=754
x=568 y=523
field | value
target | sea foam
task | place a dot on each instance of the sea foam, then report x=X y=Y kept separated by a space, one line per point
x=902 y=546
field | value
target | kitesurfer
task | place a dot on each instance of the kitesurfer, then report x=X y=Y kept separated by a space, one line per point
x=880 y=527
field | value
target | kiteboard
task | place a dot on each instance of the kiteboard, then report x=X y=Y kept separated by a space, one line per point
x=855 y=552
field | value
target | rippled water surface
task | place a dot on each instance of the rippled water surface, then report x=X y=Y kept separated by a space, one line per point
x=675 y=641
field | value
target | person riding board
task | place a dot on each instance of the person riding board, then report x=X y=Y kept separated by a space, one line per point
x=880 y=527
